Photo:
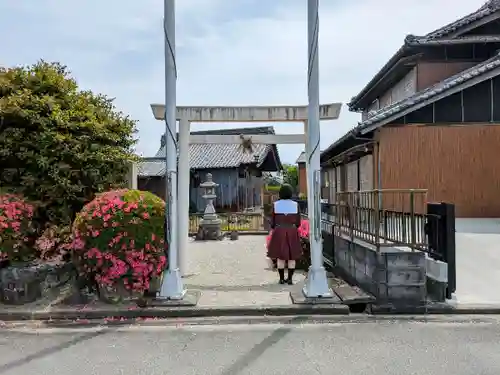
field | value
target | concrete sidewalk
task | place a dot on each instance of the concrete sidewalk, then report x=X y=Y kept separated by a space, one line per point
x=235 y=273
x=478 y=262
x=228 y=278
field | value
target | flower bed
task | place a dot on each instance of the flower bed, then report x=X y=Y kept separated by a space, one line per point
x=25 y=273
x=118 y=242
x=16 y=229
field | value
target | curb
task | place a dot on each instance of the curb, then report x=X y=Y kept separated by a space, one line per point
x=436 y=309
x=175 y=312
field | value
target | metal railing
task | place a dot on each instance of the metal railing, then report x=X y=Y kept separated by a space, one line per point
x=382 y=217
x=235 y=221
x=390 y=218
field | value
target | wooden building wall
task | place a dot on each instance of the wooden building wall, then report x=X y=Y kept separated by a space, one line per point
x=232 y=191
x=432 y=72
x=425 y=74
x=301 y=167
x=457 y=164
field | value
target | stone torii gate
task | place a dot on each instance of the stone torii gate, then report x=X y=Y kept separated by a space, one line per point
x=172 y=287
x=187 y=115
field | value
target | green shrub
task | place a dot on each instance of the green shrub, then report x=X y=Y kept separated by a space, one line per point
x=273 y=188
x=59 y=145
x=118 y=239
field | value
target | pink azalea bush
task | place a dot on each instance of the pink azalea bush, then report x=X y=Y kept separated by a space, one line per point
x=304 y=229
x=55 y=244
x=16 y=228
x=118 y=239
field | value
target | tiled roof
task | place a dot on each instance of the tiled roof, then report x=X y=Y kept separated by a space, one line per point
x=383 y=116
x=432 y=91
x=153 y=167
x=412 y=40
x=301 y=158
x=488 y=8
x=208 y=156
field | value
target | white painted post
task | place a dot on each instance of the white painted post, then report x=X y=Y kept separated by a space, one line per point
x=316 y=283
x=184 y=189
x=172 y=287
x=132 y=176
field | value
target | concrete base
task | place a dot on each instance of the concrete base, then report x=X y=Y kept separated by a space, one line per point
x=316 y=285
x=172 y=287
x=298 y=298
x=436 y=291
x=191 y=298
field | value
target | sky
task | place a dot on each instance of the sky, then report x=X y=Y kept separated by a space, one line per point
x=229 y=52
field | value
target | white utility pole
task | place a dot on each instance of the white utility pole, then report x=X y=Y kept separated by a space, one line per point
x=316 y=283
x=172 y=287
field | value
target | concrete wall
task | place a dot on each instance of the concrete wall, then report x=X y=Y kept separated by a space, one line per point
x=403 y=89
x=394 y=277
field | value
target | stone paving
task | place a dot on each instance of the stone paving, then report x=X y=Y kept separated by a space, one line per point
x=235 y=273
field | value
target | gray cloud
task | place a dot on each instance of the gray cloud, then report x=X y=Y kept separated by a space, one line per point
x=229 y=52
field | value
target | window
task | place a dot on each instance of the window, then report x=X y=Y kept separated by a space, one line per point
x=343 y=178
x=423 y=115
x=448 y=109
x=477 y=103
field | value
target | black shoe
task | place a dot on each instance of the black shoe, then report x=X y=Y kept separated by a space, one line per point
x=289 y=281
x=282 y=276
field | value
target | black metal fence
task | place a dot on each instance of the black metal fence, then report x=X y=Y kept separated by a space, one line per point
x=391 y=218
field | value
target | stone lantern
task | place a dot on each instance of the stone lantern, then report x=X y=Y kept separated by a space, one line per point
x=210 y=224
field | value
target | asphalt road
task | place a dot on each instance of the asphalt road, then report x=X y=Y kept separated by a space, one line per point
x=385 y=347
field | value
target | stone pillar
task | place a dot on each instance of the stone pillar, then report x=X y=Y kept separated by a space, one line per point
x=183 y=195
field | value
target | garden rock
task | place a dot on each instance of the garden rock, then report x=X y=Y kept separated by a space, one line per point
x=22 y=284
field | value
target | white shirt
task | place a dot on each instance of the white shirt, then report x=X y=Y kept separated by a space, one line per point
x=286 y=206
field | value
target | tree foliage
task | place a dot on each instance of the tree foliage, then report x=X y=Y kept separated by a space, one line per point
x=271 y=179
x=291 y=175
x=59 y=145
